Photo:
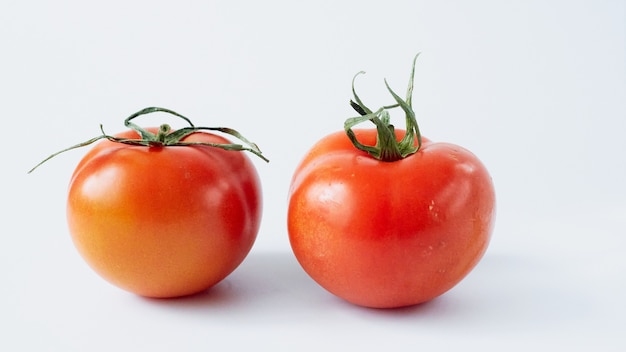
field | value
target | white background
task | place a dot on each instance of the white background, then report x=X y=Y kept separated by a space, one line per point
x=537 y=89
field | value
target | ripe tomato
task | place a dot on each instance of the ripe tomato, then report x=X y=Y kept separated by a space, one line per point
x=389 y=233
x=164 y=221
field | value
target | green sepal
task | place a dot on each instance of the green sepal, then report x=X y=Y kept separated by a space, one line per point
x=165 y=137
x=387 y=148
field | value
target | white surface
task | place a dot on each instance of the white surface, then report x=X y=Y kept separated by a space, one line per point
x=537 y=89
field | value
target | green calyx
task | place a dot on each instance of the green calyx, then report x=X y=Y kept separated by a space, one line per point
x=387 y=148
x=165 y=137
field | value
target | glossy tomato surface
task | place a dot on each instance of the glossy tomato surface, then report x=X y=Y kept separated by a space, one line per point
x=389 y=234
x=164 y=221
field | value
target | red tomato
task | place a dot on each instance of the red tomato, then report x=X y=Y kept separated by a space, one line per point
x=383 y=234
x=164 y=221
x=389 y=234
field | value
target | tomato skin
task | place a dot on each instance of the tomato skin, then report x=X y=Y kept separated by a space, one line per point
x=389 y=234
x=164 y=221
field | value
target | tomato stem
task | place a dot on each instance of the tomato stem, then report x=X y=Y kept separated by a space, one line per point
x=387 y=147
x=161 y=135
x=165 y=137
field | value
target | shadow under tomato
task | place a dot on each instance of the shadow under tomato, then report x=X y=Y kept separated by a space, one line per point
x=434 y=307
x=264 y=279
x=218 y=295
x=503 y=292
x=274 y=283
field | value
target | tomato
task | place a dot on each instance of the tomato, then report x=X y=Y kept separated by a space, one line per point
x=164 y=221
x=387 y=234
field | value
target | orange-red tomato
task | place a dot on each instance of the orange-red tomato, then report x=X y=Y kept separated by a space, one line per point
x=389 y=234
x=164 y=221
